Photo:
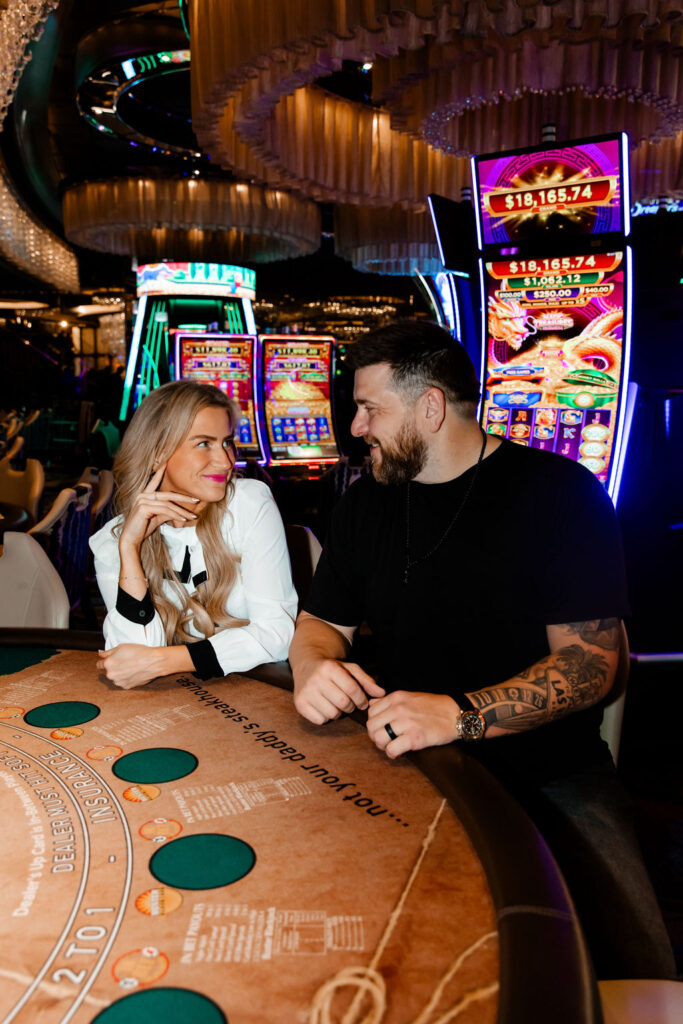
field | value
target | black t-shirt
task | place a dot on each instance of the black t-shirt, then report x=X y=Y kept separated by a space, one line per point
x=536 y=543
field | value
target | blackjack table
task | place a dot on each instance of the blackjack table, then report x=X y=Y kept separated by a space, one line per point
x=193 y=851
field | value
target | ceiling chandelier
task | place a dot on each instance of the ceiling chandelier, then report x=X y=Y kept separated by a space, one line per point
x=24 y=242
x=21 y=22
x=450 y=79
x=190 y=219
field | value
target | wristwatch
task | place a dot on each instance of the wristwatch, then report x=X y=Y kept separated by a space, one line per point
x=471 y=724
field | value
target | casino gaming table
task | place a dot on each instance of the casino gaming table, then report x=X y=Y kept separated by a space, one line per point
x=195 y=852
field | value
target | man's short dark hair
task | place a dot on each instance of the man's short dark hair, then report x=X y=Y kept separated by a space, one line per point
x=421 y=355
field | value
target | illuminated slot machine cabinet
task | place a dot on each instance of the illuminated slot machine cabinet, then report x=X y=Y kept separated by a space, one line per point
x=197 y=298
x=228 y=362
x=555 y=271
x=296 y=379
x=450 y=292
x=442 y=297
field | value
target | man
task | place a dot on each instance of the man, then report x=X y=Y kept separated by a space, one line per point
x=492 y=579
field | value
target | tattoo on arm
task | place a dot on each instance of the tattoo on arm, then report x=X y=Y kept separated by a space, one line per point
x=603 y=633
x=564 y=681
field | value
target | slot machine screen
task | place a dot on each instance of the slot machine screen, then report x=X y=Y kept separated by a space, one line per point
x=555 y=354
x=298 y=409
x=226 y=361
x=565 y=191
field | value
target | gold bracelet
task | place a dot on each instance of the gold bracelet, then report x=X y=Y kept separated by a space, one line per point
x=143 y=578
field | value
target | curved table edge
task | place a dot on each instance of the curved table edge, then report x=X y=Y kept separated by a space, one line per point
x=545 y=968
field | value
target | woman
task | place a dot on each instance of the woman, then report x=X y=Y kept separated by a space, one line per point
x=194 y=570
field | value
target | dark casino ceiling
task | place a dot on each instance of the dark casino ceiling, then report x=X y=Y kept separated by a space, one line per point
x=130 y=139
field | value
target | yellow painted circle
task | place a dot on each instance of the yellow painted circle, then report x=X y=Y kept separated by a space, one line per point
x=70 y=732
x=10 y=712
x=159 y=901
x=140 y=967
x=104 y=753
x=140 y=794
x=160 y=829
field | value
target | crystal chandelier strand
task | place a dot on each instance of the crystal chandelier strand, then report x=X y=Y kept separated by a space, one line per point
x=21 y=22
x=24 y=242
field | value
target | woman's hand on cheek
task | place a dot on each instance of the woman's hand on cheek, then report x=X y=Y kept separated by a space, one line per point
x=151 y=508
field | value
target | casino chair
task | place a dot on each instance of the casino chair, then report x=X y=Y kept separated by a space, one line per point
x=104 y=441
x=31 y=592
x=304 y=552
x=102 y=483
x=22 y=487
x=32 y=417
x=641 y=1002
x=101 y=509
x=14 y=450
x=64 y=533
x=613 y=708
x=12 y=424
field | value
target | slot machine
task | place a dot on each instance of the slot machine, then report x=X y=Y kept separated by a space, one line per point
x=450 y=291
x=296 y=374
x=555 y=273
x=190 y=298
x=227 y=361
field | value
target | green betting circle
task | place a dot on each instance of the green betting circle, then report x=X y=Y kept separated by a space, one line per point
x=204 y=861
x=170 y=1005
x=61 y=714
x=156 y=764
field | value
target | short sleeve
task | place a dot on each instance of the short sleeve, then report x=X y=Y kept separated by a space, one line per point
x=337 y=591
x=582 y=574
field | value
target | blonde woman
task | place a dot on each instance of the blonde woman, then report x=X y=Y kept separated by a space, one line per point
x=194 y=569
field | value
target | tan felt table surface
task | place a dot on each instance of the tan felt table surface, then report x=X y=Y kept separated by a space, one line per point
x=336 y=829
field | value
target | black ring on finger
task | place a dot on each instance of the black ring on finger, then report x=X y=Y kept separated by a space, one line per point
x=390 y=732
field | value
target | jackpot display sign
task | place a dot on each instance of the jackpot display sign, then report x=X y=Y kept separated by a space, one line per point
x=297 y=407
x=217 y=279
x=226 y=361
x=574 y=190
x=555 y=354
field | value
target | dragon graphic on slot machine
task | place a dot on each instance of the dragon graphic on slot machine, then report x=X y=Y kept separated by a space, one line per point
x=597 y=347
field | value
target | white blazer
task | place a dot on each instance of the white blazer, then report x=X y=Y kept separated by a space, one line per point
x=263 y=591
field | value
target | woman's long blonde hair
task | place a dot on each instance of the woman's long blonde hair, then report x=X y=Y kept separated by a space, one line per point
x=159 y=426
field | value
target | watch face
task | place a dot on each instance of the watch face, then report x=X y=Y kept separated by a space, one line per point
x=473 y=725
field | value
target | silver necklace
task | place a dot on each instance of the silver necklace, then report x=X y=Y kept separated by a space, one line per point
x=423 y=558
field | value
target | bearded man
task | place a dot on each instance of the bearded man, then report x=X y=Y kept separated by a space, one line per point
x=491 y=576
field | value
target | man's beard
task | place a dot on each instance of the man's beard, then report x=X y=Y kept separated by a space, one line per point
x=402 y=461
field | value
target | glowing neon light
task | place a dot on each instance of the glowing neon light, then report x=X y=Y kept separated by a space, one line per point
x=249 y=316
x=477 y=205
x=432 y=301
x=625 y=184
x=196 y=279
x=627 y=407
x=133 y=358
x=436 y=230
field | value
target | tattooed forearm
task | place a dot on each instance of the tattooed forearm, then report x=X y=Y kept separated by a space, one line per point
x=601 y=632
x=570 y=678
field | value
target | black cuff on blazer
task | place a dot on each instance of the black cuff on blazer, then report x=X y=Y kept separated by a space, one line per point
x=206 y=664
x=140 y=612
